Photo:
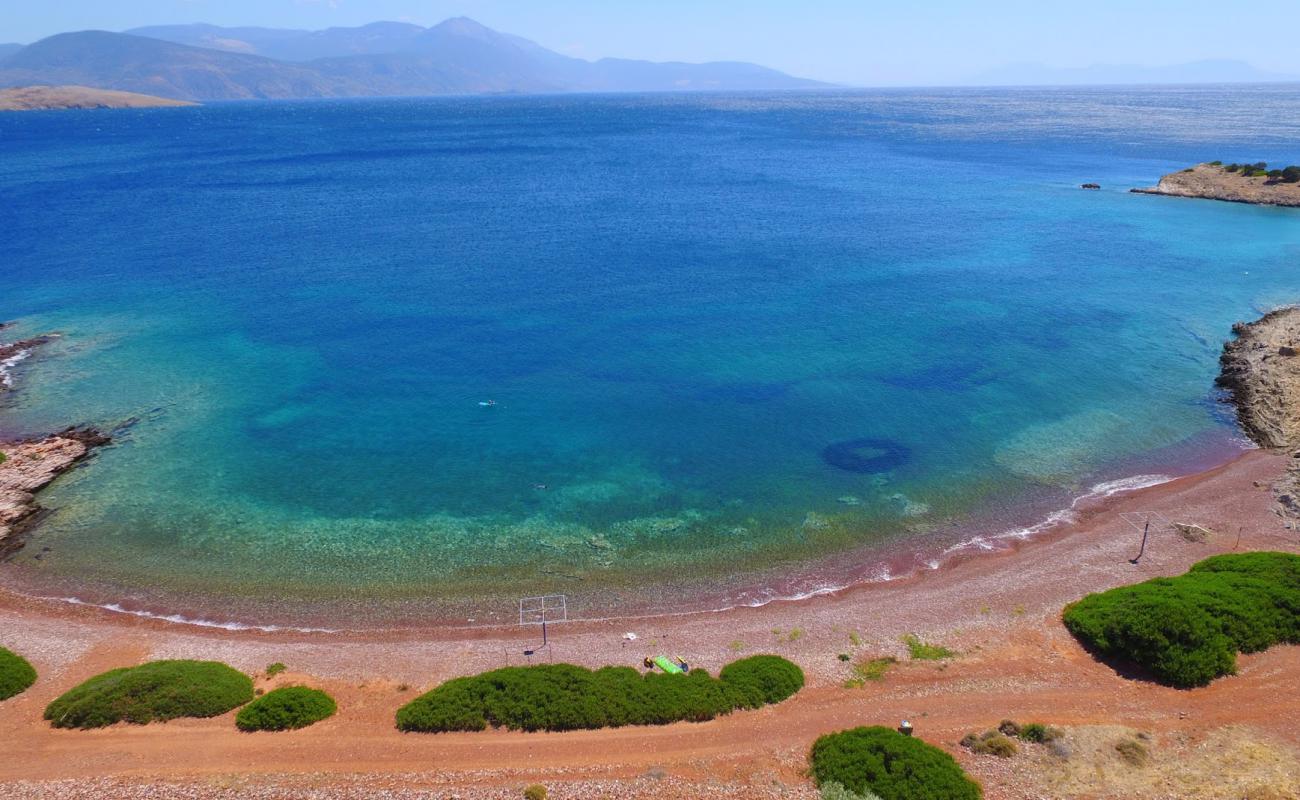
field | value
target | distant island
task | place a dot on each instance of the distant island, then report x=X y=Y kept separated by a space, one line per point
x=1235 y=183
x=383 y=59
x=46 y=98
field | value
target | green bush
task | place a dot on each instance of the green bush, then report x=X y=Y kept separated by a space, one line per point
x=286 y=709
x=889 y=764
x=1186 y=631
x=535 y=792
x=560 y=697
x=275 y=669
x=156 y=691
x=763 y=680
x=15 y=674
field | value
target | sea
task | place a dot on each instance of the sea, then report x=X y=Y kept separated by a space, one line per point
x=374 y=363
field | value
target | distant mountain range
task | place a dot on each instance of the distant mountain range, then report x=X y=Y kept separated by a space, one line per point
x=458 y=56
x=1222 y=71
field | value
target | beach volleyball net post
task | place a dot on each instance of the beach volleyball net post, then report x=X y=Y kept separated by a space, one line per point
x=1145 y=522
x=542 y=610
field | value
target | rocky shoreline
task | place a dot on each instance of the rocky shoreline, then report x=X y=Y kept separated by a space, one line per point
x=1260 y=369
x=1216 y=182
x=29 y=465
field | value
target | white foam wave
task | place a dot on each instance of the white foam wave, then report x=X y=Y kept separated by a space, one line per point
x=182 y=620
x=6 y=377
x=1063 y=516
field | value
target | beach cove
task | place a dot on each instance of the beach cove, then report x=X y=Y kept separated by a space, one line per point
x=774 y=430
x=655 y=391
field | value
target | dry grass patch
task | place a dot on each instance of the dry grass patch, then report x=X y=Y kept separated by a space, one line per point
x=1112 y=762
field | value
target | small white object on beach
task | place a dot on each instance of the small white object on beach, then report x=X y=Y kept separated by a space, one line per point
x=629 y=636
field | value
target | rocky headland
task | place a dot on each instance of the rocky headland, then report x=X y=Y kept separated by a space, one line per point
x=48 y=98
x=1244 y=184
x=1260 y=369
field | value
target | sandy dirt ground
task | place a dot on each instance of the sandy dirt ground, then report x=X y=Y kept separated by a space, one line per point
x=1236 y=738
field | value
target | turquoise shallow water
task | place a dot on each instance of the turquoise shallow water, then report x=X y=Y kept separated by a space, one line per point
x=675 y=305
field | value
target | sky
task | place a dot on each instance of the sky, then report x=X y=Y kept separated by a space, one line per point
x=866 y=43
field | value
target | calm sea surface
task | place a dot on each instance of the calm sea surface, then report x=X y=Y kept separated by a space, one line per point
x=407 y=360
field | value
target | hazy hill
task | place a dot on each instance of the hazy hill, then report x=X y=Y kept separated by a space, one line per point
x=1106 y=74
x=7 y=50
x=149 y=66
x=290 y=45
x=458 y=56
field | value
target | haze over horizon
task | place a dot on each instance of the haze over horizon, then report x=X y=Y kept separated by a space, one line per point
x=930 y=42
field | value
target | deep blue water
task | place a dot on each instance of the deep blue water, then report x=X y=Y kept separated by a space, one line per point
x=685 y=310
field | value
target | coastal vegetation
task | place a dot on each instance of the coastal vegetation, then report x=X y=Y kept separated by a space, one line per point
x=888 y=764
x=869 y=669
x=921 y=651
x=989 y=743
x=1002 y=741
x=1260 y=169
x=559 y=697
x=1186 y=631
x=16 y=675
x=286 y=709
x=153 y=692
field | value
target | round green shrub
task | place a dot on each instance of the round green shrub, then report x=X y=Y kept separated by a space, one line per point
x=561 y=697
x=1186 y=631
x=15 y=674
x=156 y=691
x=286 y=709
x=891 y=765
x=763 y=679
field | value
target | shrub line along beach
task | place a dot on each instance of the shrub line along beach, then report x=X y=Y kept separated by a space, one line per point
x=996 y=618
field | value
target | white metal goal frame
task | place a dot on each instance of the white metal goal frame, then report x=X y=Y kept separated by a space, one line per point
x=543 y=609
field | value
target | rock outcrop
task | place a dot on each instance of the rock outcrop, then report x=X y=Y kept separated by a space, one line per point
x=1213 y=182
x=29 y=467
x=1260 y=369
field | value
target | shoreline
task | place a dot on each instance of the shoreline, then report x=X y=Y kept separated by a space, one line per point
x=895 y=560
x=998 y=609
x=876 y=564
x=1056 y=528
x=999 y=612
